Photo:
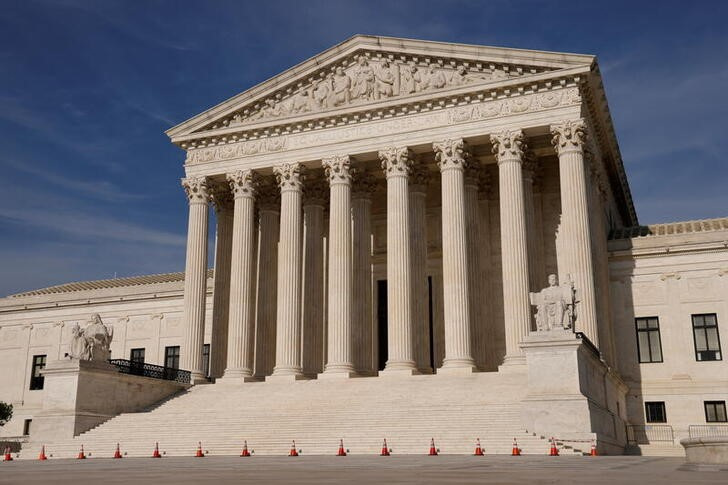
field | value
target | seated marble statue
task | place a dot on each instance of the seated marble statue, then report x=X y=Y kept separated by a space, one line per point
x=93 y=342
x=555 y=305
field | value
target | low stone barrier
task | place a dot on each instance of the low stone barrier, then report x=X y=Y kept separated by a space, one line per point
x=706 y=451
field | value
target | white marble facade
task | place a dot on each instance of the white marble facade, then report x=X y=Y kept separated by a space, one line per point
x=462 y=176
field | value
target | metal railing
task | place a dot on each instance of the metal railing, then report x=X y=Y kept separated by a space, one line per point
x=644 y=434
x=150 y=370
x=708 y=430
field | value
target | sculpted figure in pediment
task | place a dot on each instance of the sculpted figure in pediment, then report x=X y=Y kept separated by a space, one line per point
x=408 y=84
x=364 y=79
x=301 y=102
x=435 y=79
x=460 y=77
x=340 y=89
x=385 y=81
x=320 y=92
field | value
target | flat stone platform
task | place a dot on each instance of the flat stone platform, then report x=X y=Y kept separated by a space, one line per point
x=447 y=469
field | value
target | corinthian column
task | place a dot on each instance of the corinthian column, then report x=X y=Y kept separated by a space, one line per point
x=241 y=327
x=508 y=147
x=451 y=158
x=312 y=346
x=529 y=173
x=475 y=275
x=340 y=360
x=362 y=322
x=222 y=200
x=288 y=316
x=569 y=138
x=397 y=163
x=418 y=253
x=195 y=276
x=267 y=278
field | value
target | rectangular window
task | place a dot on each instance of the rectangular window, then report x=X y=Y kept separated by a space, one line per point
x=655 y=412
x=171 y=357
x=649 y=346
x=36 y=379
x=137 y=356
x=26 y=427
x=706 y=338
x=206 y=360
x=715 y=412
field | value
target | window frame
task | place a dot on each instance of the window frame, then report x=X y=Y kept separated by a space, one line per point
x=648 y=331
x=716 y=404
x=37 y=381
x=703 y=327
x=168 y=355
x=136 y=361
x=206 y=360
x=647 y=413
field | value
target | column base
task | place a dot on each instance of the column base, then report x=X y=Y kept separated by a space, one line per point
x=198 y=378
x=456 y=371
x=399 y=372
x=286 y=378
x=513 y=363
x=333 y=375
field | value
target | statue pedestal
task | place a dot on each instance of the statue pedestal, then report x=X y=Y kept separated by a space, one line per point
x=81 y=394
x=572 y=394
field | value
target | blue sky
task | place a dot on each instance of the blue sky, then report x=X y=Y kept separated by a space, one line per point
x=90 y=183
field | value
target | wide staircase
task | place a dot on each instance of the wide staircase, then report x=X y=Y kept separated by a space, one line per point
x=408 y=412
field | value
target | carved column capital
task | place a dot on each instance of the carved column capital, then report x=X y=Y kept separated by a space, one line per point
x=290 y=176
x=451 y=153
x=473 y=174
x=396 y=161
x=221 y=197
x=338 y=169
x=530 y=166
x=243 y=183
x=569 y=135
x=364 y=185
x=315 y=192
x=508 y=145
x=196 y=189
x=485 y=185
x=420 y=177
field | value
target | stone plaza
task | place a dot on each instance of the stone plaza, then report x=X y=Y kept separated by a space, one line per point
x=413 y=241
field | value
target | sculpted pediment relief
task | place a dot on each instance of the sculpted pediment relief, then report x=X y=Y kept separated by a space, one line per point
x=367 y=70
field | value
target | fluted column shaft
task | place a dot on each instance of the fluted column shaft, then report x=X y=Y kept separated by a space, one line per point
x=312 y=345
x=266 y=285
x=222 y=200
x=339 y=348
x=195 y=276
x=241 y=327
x=288 y=315
x=475 y=275
x=569 y=138
x=362 y=321
x=508 y=148
x=397 y=163
x=418 y=253
x=451 y=157
x=529 y=167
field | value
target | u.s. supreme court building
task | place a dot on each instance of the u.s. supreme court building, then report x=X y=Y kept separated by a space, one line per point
x=413 y=240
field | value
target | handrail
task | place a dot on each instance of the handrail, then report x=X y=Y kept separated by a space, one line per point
x=644 y=434
x=151 y=370
x=708 y=430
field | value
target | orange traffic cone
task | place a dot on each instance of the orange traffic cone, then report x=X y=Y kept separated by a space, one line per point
x=293 y=451
x=117 y=453
x=341 y=451
x=516 y=451
x=81 y=454
x=42 y=455
x=199 y=453
x=8 y=456
x=478 y=449
x=554 y=451
x=593 y=451
x=385 y=449
x=156 y=451
x=245 y=451
x=433 y=450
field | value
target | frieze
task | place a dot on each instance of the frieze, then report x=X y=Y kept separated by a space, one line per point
x=460 y=114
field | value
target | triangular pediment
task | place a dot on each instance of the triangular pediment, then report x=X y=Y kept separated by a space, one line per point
x=366 y=70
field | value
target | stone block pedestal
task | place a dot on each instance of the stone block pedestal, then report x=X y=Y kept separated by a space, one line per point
x=572 y=394
x=80 y=394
